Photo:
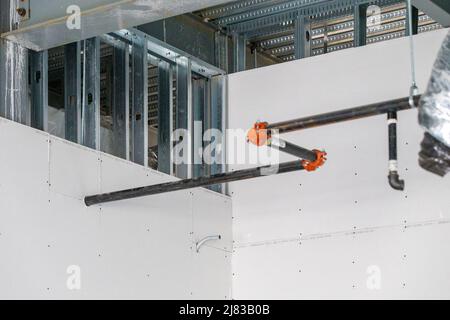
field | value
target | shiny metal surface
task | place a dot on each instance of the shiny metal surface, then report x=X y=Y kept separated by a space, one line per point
x=47 y=26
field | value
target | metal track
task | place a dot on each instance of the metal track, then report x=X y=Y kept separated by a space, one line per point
x=269 y=25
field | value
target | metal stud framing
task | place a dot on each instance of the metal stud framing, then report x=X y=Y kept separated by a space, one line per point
x=39 y=89
x=139 y=114
x=221 y=47
x=72 y=91
x=165 y=118
x=184 y=114
x=200 y=104
x=202 y=100
x=91 y=94
x=121 y=100
x=360 y=25
x=273 y=25
x=172 y=61
x=302 y=37
x=218 y=120
x=240 y=52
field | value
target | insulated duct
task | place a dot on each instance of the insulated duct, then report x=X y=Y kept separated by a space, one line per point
x=434 y=116
x=13 y=69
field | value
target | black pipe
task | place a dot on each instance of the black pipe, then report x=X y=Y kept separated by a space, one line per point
x=293 y=149
x=343 y=115
x=195 y=183
x=394 y=178
x=392 y=125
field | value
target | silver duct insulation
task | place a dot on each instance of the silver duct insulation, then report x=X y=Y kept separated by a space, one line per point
x=13 y=69
x=14 y=81
x=434 y=116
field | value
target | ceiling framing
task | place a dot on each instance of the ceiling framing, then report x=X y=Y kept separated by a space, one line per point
x=269 y=24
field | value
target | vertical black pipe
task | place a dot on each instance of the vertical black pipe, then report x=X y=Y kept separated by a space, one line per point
x=394 y=178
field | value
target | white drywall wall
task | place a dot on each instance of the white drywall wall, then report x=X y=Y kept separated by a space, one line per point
x=134 y=249
x=329 y=233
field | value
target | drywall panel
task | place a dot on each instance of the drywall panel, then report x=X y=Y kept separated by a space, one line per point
x=209 y=220
x=64 y=158
x=384 y=263
x=209 y=270
x=135 y=249
x=350 y=194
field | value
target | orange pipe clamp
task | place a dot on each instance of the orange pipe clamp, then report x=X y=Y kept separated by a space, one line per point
x=259 y=135
x=314 y=165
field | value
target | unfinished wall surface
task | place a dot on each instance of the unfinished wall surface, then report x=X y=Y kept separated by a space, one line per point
x=135 y=249
x=341 y=232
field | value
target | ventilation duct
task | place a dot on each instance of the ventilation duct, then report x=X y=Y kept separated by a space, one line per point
x=434 y=116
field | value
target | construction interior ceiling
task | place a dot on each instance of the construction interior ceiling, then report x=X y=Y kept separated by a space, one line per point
x=268 y=27
x=141 y=100
x=329 y=30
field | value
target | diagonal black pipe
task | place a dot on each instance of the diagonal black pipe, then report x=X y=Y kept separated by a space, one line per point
x=195 y=183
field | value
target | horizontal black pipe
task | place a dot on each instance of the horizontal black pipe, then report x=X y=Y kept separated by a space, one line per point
x=195 y=183
x=343 y=115
x=293 y=150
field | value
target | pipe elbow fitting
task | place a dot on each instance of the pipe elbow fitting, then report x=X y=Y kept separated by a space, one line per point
x=395 y=182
